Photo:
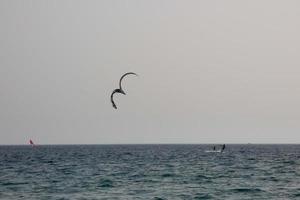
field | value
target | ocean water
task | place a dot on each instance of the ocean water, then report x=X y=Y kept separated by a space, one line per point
x=149 y=172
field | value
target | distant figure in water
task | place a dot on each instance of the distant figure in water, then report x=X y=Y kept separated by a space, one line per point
x=223 y=147
x=214 y=148
x=31 y=142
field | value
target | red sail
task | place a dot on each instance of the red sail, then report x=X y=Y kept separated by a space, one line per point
x=30 y=141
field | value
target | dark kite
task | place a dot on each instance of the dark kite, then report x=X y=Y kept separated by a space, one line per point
x=120 y=89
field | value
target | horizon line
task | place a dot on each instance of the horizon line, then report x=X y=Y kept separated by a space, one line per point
x=153 y=144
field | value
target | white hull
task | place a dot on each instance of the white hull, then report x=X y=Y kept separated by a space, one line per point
x=213 y=151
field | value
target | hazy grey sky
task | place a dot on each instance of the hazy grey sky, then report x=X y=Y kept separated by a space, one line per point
x=210 y=71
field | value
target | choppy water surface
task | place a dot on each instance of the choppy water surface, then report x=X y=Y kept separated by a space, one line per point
x=149 y=172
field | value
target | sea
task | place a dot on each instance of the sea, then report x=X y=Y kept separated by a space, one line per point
x=158 y=172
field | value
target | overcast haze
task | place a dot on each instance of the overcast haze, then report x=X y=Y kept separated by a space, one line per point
x=210 y=71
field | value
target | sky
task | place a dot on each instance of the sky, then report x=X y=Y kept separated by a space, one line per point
x=209 y=71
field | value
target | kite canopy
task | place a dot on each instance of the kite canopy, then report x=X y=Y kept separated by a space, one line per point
x=120 y=89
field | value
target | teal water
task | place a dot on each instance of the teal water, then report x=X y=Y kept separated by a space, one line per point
x=149 y=172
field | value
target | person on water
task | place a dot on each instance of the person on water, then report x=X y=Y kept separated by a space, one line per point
x=214 y=148
x=223 y=147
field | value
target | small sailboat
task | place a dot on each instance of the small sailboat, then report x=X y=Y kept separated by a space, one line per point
x=31 y=142
x=223 y=148
x=216 y=151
